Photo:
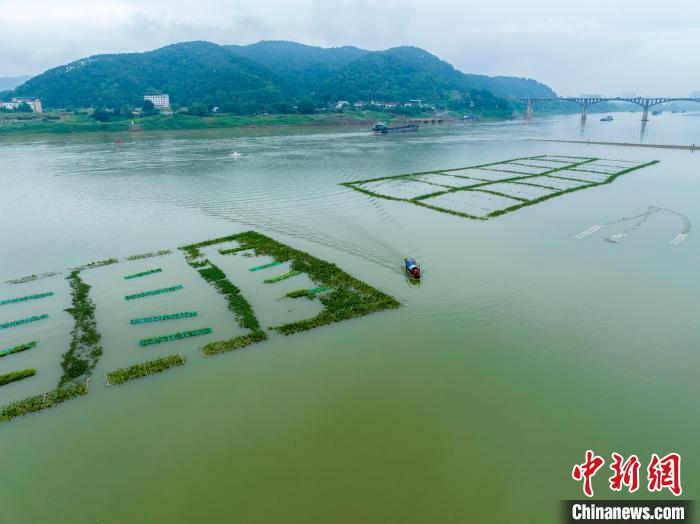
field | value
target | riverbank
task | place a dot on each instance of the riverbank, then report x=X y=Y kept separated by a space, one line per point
x=80 y=123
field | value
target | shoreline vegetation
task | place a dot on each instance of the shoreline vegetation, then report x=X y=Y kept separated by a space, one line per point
x=78 y=123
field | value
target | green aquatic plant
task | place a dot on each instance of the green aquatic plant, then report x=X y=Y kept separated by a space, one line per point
x=153 y=292
x=306 y=292
x=93 y=265
x=25 y=298
x=85 y=349
x=285 y=276
x=143 y=273
x=27 y=320
x=149 y=255
x=232 y=344
x=121 y=375
x=174 y=336
x=16 y=375
x=43 y=401
x=158 y=318
x=17 y=349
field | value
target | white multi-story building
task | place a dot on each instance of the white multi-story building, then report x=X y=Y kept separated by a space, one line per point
x=161 y=101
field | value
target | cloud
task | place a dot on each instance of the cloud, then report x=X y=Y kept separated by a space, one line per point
x=608 y=47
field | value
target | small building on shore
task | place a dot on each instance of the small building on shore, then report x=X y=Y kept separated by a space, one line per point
x=14 y=104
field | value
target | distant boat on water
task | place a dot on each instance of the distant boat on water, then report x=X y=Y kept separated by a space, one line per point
x=235 y=154
x=656 y=112
x=382 y=127
x=607 y=119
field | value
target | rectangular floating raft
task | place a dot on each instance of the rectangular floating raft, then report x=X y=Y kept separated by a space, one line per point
x=265 y=266
x=154 y=292
x=27 y=320
x=17 y=349
x=174 y=336
x=143 y=273
x=158 y=318
x=24 y=299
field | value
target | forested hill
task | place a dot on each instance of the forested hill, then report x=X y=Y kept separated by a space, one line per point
x=304 y=67
x=261 y=75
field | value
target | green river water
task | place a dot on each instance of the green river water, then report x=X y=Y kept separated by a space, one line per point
x=521 y=348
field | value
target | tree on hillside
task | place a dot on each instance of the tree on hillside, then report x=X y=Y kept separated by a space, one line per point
x=24 y=108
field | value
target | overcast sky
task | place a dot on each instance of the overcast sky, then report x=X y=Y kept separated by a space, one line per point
x=607 y=47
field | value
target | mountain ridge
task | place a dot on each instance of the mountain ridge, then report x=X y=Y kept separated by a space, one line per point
x=264 y=74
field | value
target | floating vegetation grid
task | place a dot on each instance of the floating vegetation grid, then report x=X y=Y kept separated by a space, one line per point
x=511 y=180
x=16 y=375
x=241 y=308
x=24 y=299
x=174 y=336
x=149 y=255
x=348 y=297
x=153 y=292
x=143 y=273
x=27 y=320
x=159 y=318
x=17 y=349
x=85 y=349
x=144 y=369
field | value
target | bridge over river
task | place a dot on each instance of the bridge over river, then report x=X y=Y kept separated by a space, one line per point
x=586 y=102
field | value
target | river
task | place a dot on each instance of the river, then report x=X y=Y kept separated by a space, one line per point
x=522 y=348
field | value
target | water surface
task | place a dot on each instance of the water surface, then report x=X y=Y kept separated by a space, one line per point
x=522 y=348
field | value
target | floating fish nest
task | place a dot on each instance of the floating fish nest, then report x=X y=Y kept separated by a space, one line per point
x=17 y=349
x=24 y=299
x=158 y=318
x=27 y=320
x=143 y=273
x=175 y=336
x=154 y=292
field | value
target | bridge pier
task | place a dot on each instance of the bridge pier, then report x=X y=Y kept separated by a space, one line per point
x=645 y=116
x=528 y=113
x=584 y=111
